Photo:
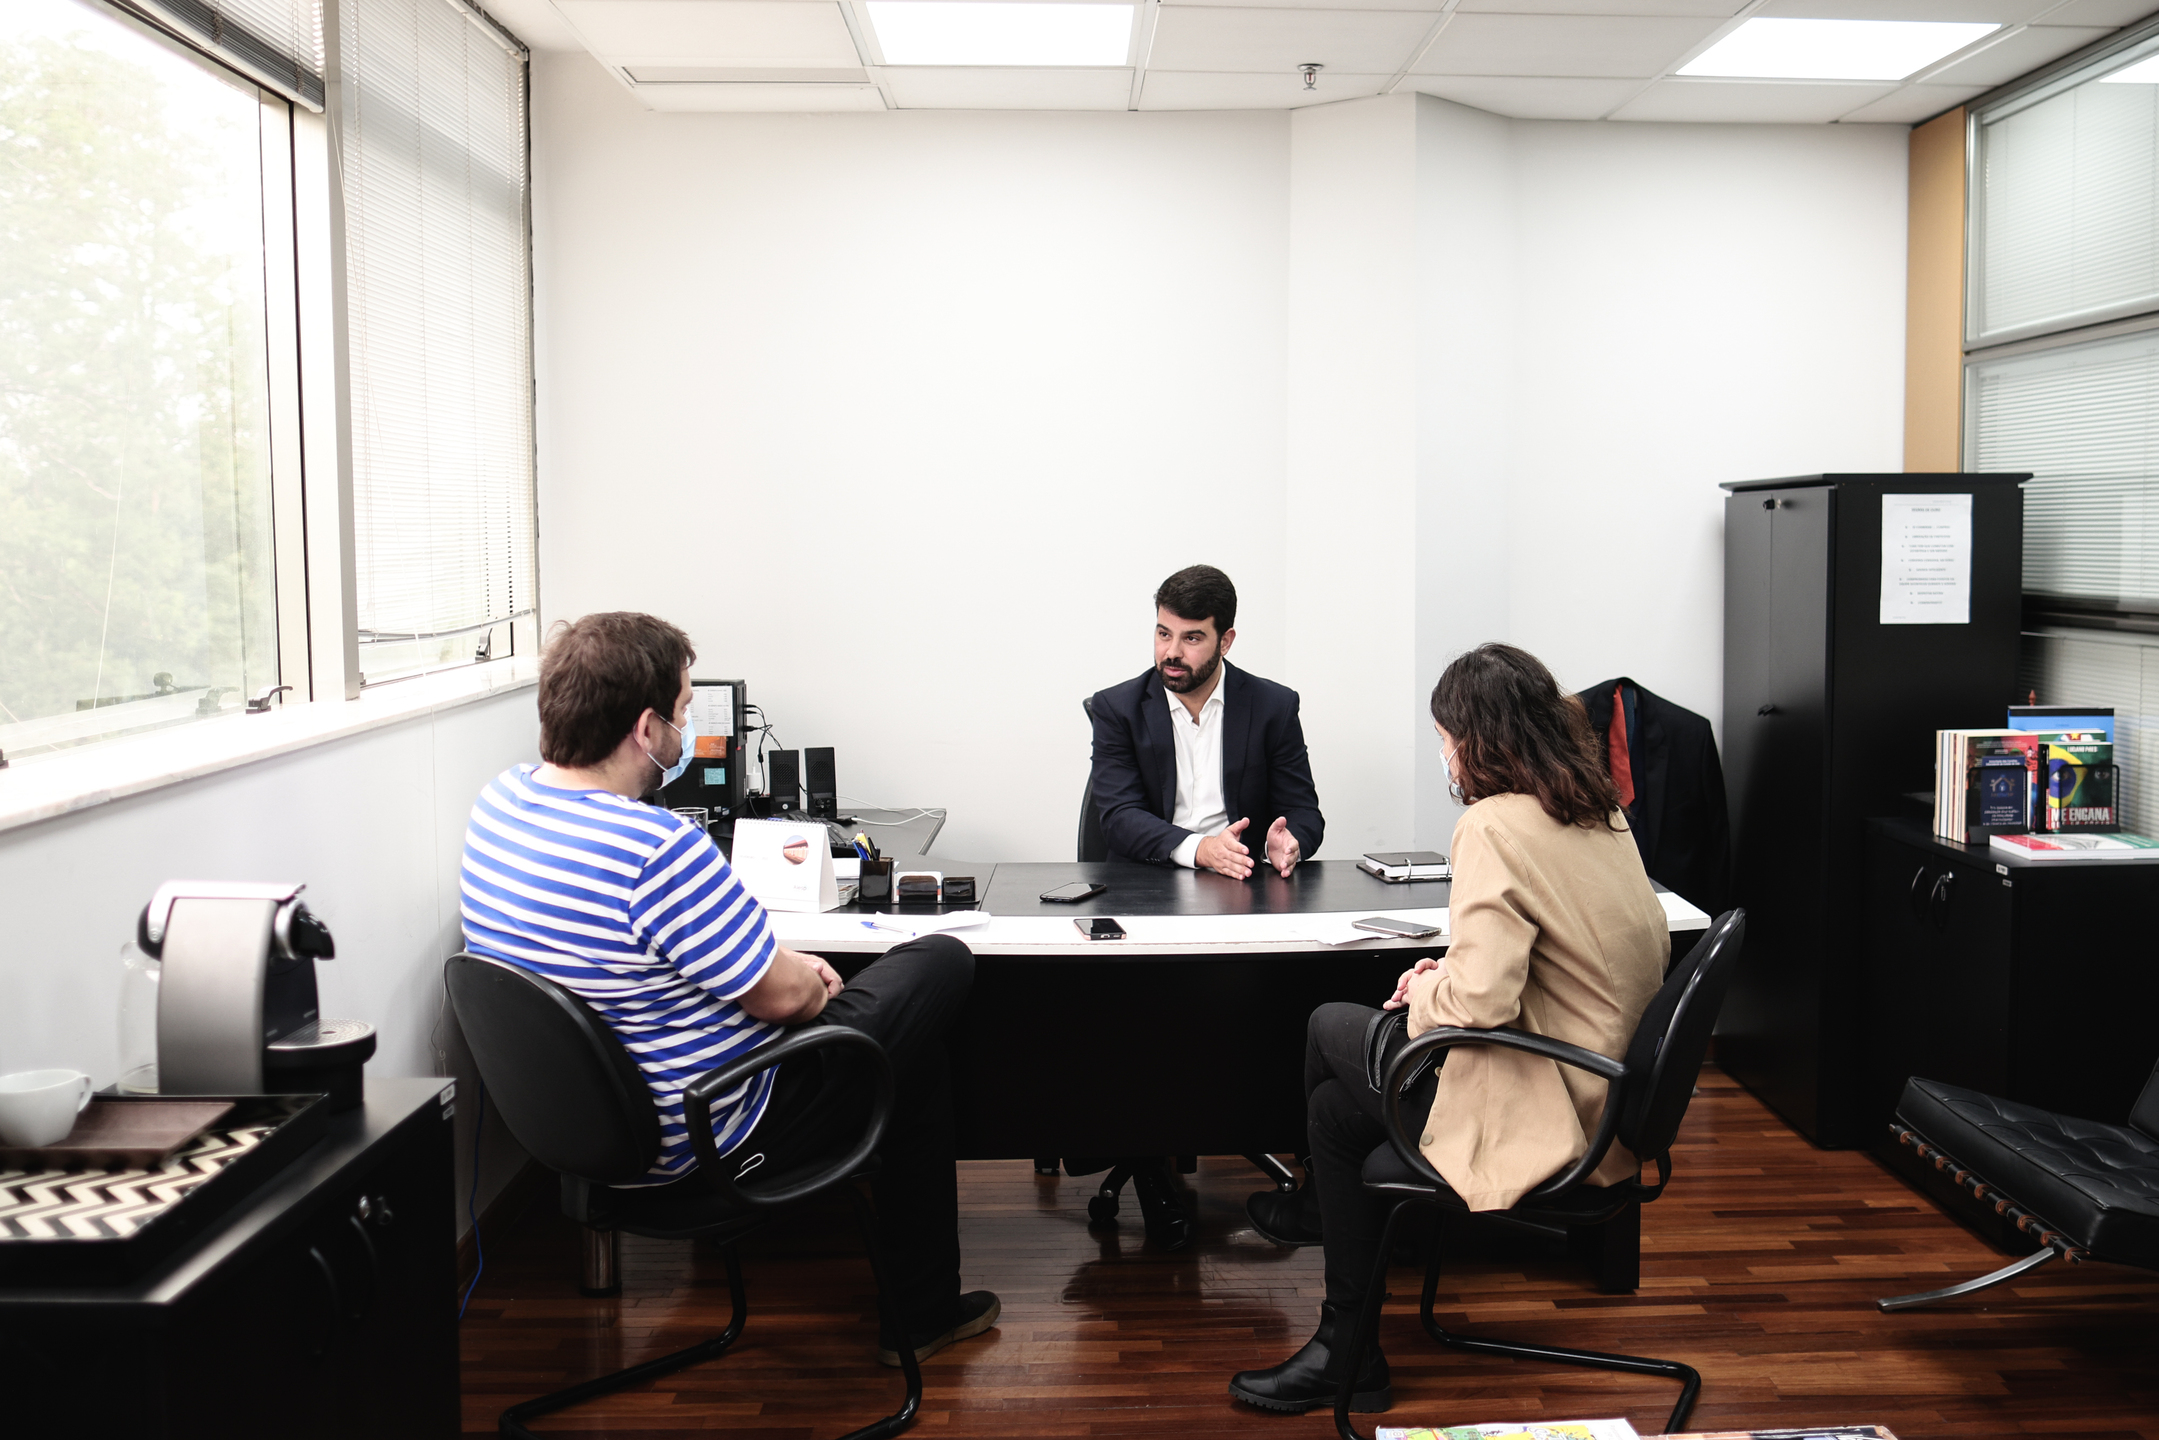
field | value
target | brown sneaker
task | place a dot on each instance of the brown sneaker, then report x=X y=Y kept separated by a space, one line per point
x=979 y=1310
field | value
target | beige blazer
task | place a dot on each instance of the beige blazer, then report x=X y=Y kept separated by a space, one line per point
x=1555 y=930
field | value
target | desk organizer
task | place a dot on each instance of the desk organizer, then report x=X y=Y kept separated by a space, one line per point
x=100 y=1226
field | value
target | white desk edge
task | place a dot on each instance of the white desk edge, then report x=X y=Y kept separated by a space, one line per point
x=844 y=932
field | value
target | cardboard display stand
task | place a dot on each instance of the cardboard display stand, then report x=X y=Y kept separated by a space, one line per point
x=787 y=866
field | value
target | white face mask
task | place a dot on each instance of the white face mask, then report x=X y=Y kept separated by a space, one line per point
x=669 y=774
x=1446 y=756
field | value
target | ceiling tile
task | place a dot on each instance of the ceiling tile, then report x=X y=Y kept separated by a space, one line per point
x=733 y=31
x=2015 y=55
x=1720 y=9
x=1184 y=90
x=1751 y=102
x=1429 y=7
x=1530 y=97
x=1207 y=38
x=1910 y=104
x=784 y=99
x=645 y=73
x=2100 y=12
x=933 y=87
x=2001 y=12
x=1563 y=45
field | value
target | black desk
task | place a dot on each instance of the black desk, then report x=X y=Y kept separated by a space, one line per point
x=1183 y=1040
x=1322 y=887
x=288 y=1317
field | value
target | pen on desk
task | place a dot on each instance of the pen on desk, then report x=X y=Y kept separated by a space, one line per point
x=889 y=929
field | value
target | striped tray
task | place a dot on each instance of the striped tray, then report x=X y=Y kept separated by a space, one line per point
x=114 y=1204
x=101 y=1227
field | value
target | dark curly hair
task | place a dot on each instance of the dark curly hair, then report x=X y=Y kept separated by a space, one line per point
x=1517 y=733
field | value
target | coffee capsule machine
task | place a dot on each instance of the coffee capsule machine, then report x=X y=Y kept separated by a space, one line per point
x=236 y=1007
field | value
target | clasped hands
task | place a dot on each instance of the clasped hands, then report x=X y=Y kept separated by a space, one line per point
x=1225 y=854
x=1401 y=986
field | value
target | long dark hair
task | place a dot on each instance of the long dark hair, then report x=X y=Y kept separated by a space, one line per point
x=1517 y=733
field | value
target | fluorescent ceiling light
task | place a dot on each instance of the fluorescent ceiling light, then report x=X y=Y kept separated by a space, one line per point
x=2144 y=72
x=1834 y=49
x=990 y=32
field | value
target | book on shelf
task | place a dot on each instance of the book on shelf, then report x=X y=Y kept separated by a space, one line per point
x=1398 y=866
x=2079 y=785
x=2060 y=719
x=1984 y=782
x=2071 y=847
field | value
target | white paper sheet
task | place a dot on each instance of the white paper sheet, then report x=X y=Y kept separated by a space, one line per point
x=1926 y=560
x=912 y=926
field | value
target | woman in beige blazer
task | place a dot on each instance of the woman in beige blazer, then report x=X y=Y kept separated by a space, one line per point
x=1553 y=928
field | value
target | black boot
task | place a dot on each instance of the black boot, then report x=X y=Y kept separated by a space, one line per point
x=1310 y=1377
x=1291 y=1219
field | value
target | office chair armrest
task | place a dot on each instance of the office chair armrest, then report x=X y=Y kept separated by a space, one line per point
x=1446 y=1037
x=698 y=1095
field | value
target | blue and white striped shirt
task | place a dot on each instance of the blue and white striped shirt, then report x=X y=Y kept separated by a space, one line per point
x=633 y=909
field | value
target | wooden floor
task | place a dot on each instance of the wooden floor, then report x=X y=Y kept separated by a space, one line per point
x=1760 y=1268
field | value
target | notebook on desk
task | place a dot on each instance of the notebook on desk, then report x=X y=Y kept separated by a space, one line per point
x=1399 y=867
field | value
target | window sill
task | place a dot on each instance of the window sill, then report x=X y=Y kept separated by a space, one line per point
x=44 y=786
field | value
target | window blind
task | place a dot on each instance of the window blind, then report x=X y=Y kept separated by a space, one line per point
x=276 y=43
x=2084 y=419
x=432 y=152
x=2066 y=212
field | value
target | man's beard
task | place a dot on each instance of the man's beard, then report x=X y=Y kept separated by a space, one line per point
x=1195 y=679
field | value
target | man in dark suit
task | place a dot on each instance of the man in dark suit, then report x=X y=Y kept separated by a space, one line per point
x=1194 y=752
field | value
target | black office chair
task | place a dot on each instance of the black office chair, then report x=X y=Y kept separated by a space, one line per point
x=573 y=1098
x=1647 y=1099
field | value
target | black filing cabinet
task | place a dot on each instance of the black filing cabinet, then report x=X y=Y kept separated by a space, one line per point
x=1829 y=718
x=2035 y=982
x=325 y=1305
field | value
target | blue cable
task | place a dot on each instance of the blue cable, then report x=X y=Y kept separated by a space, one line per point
x=472 y=1197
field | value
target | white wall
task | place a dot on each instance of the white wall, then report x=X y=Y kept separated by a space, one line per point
x=373 y=823
x=904 y=416
x=1697 y=303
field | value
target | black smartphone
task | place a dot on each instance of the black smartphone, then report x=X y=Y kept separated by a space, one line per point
x=1099 y=927
x=1077 y=890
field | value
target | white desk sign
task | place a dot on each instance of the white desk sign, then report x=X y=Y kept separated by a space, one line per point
x=787 y=866
x=1926 y=559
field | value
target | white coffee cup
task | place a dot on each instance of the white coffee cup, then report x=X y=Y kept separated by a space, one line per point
x=38 y=1107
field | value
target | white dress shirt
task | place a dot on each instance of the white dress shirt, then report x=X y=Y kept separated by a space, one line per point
x=1200 y=807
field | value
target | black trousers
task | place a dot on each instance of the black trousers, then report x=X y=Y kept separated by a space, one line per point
x=1342 y=1127
x=908 y=1001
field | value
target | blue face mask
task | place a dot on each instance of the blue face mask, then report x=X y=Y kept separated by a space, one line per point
x=669 y=774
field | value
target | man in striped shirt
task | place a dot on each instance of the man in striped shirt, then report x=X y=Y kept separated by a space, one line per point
x=633 y=909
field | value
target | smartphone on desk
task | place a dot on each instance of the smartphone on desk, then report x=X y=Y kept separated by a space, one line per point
x=1070 y=894
x=1099 y=927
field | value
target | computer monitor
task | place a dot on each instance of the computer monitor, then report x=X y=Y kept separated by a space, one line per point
x=714 y=780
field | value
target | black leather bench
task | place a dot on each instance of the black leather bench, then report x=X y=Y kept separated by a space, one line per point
x=2084 y=1189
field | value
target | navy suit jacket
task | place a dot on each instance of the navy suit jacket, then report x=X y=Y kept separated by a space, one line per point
x=1265 y=770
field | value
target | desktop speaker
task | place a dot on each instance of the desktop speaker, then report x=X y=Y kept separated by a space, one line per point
x=818 y=781
x=783 y=780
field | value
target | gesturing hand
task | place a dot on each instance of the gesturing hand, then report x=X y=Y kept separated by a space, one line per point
x=1401 y=986
x=1283 y=851
x=1224 y=853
